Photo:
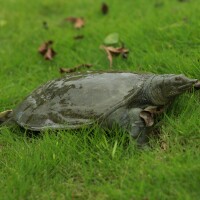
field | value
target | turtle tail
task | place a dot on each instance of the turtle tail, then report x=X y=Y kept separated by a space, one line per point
x=6 y=117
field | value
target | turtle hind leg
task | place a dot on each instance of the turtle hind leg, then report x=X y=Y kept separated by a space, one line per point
x=5 y=116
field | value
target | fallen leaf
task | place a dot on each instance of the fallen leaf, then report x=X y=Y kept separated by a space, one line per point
x=77 y=21
x=104 y=8
x=74 y=69
x=108 y=54
x=117 y=50
x=49 y=54
x=43 y=47
x=46 y=50
x=114 y=51
x=147 y=117
x=154 y=109
x=111 y=39
x=78 y=37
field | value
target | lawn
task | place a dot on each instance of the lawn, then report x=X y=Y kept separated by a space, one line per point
x=162 y=37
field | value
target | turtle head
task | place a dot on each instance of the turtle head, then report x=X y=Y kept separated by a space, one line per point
x=165 y=87
x=176 y=84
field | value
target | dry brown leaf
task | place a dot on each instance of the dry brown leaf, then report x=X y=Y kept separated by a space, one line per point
x=77 y=21
x=147 y=117
x=108 y=54
x=46 y=50
x=50 y=53
x=155 y=109
x=117 y=50
x=43 y=47
x=114 y=51
x=104 y=8
x=74 y=69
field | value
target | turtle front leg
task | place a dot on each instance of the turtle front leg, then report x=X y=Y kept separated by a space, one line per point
x=140 y=122
x=135 y=120
x=5 y=115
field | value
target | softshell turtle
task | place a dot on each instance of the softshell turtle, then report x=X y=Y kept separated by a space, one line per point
x=127 y=99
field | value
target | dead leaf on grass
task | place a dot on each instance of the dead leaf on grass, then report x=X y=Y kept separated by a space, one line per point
x=77 y=21
x=154 y=109
x=49 y=54
x=46 y=50
x=43 y=47
x=147 y=117
x=74 y=69
x=104 y=8
x=114 y=51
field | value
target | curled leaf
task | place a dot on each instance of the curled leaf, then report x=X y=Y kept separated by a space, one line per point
x=147 y=117
x=112 y=51
x=154 y=109
x=43 y=47
x=77 y=21
x=49 y=54
x=74 y=69
x=46 y=50
x=108 y=54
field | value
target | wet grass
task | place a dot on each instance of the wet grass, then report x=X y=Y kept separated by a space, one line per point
x=163 y=37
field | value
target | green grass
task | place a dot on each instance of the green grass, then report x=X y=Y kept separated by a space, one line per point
x=163 y=37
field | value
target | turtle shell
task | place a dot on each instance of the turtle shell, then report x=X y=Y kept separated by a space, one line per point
x=77 y=100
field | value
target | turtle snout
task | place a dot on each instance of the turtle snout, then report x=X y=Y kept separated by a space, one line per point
x=193 y=81
x=181 y=79
x=184 y=83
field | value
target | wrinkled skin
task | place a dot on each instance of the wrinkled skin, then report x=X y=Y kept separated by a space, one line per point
x=109 y=98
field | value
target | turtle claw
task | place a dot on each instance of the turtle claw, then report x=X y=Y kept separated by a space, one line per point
x=5 y=115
